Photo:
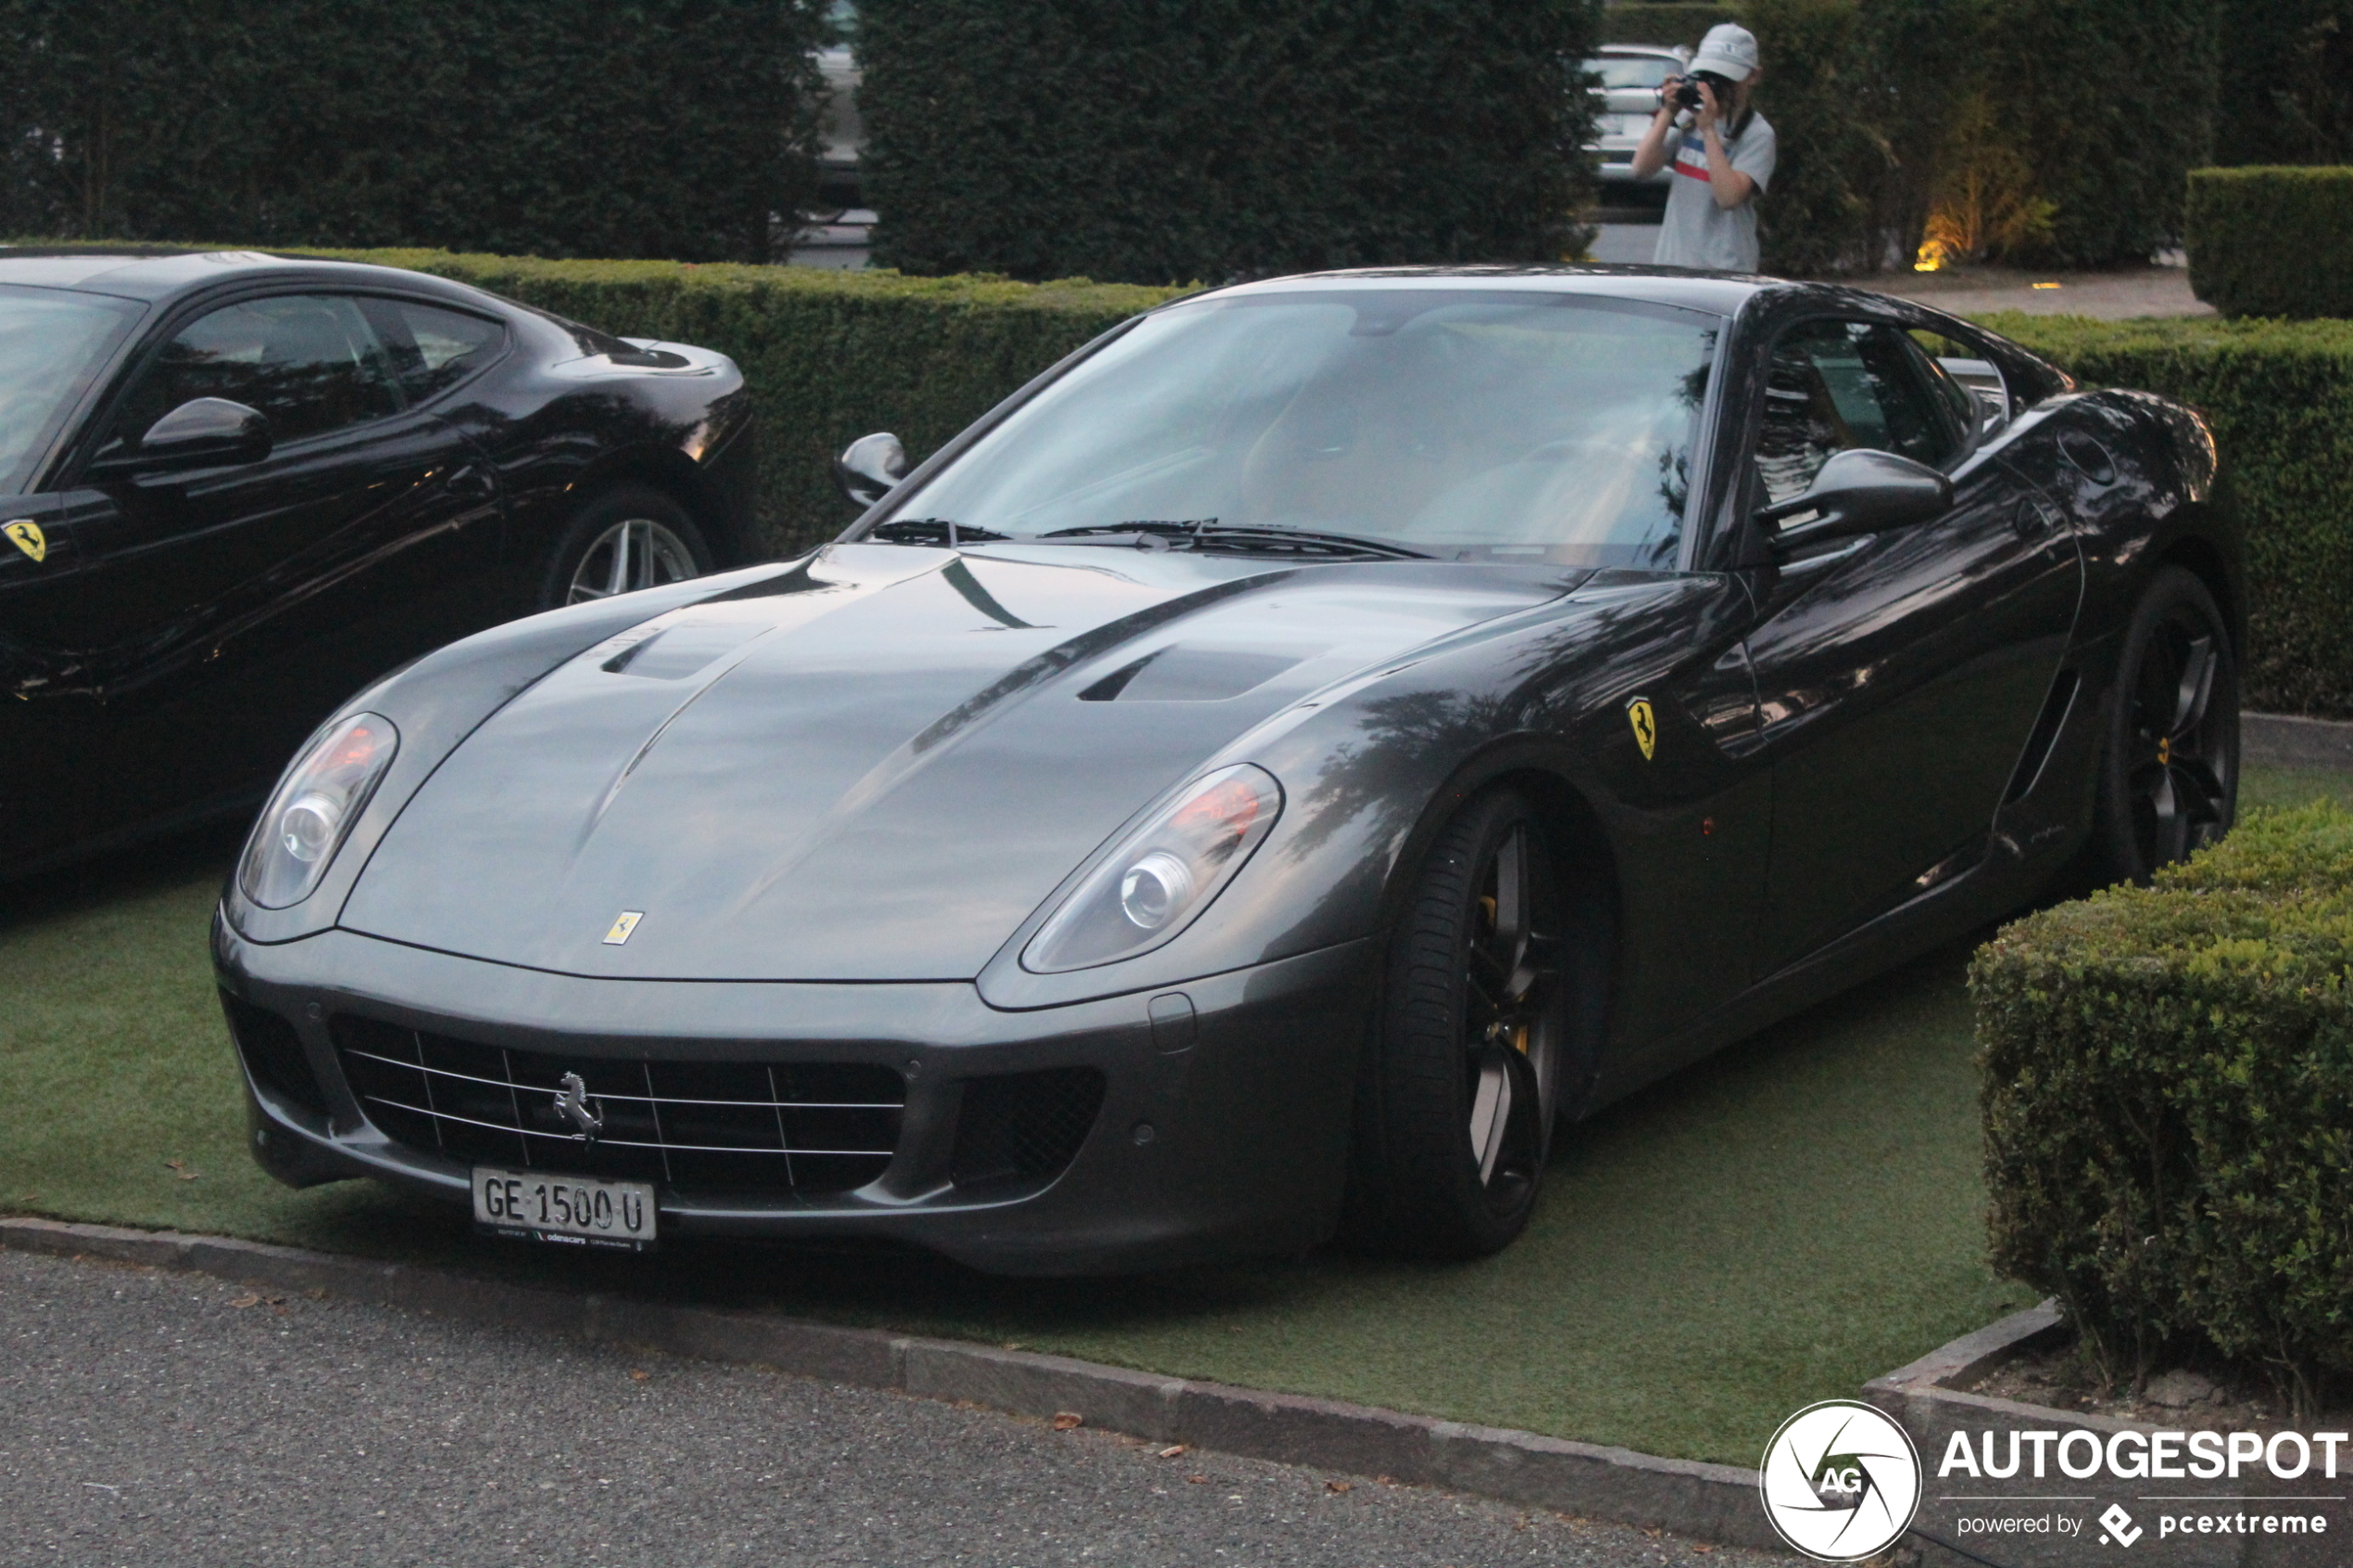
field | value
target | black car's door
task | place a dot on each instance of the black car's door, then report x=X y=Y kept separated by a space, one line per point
x=225 y=609
x=1899 y=675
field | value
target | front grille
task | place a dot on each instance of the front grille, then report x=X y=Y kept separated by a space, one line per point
x=1024 y=1125
x=803 y=1128
x=274 y=1053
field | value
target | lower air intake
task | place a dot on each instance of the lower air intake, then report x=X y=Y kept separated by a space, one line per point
x=803 y=1128
x=1024 y=1126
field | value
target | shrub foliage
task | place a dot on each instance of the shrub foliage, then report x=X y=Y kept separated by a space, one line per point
x=2280 y=396
x=2169 y=1106
x=2287 y=92
x=670 y=128
x=2272 y=242
x=1155 y=141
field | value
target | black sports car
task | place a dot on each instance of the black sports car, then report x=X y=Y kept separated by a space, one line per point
x=1260 y=779
x=234 y=486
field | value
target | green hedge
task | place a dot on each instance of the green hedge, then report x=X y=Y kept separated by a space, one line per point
x=2280 y=396
x=1155 y=141
x=2169 y=1107
x=2287 y=82
x=830 y=356
x=2272 y=242
x=672 y=128
x=1668 y=22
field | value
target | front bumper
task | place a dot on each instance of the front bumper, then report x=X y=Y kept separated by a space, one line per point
x=1221 y=1135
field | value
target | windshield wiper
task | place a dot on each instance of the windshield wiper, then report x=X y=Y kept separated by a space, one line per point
x=934 y=531
x=1208 y=533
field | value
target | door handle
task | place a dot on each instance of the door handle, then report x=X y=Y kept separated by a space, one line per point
x=474 y=483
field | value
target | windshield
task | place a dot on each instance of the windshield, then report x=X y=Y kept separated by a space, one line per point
x=1633 y=71
x=52 y=342
x=1458 y=425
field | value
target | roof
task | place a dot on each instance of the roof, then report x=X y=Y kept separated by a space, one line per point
x=159 y=273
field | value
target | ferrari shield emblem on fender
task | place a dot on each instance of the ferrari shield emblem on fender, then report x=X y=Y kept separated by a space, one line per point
x=27 y=537
x=622 y=927
x=1638 y=714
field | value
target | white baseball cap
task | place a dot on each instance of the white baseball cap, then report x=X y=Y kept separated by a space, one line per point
x=1729 y=50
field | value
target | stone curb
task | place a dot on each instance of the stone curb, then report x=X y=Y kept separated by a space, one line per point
x=2284 y=740
x=1710 y=1502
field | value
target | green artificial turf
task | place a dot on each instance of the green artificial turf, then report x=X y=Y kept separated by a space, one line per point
x=1771 y=1228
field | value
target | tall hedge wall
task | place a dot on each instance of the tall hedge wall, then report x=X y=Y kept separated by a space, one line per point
x=2169 y=1107
x=1157 y=141
x=2286 y=83
x=671 y=128
x=2273 y=241
x=1666 y=21
x=2280 y=399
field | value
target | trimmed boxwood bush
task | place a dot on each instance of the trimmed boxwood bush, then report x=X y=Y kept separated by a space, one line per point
x=2280 y=396
x=1155 y=141
x=2272 y=242
x=2169 y=1107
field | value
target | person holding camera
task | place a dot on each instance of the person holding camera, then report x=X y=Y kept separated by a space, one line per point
x=1723 y=153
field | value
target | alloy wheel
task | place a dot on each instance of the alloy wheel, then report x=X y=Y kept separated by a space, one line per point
x=2177 y=742
x=636 y=553
x=1512 y=978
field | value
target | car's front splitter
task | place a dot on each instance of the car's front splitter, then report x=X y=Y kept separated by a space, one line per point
x=1221 y=1128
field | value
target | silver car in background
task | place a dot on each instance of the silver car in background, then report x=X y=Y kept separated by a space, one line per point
x=1628 y=78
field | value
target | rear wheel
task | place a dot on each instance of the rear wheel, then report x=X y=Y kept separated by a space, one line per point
x=1464 y=1077
x=2168 y=779
x=630 y=537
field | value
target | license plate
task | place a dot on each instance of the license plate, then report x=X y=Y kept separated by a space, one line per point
x=569 y=1210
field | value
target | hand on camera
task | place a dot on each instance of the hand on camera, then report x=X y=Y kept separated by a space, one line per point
x=1709 y=112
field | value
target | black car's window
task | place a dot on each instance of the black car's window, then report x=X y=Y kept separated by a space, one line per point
x=1834 y=385
x=52 y=344
x=311 y=362
x=1509 y=426
x=431 y=349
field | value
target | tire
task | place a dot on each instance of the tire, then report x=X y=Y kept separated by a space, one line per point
x=2169 y=764
x=1462 y=1079
x=629 y=537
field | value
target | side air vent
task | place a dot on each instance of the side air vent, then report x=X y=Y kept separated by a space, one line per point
x=1024 y=1126
x=2046 y=734
x=273 y=1054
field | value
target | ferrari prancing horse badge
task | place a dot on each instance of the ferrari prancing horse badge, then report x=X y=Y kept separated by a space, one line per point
x=27 y=537
x=1638 y=714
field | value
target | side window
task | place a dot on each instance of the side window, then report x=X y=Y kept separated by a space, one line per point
x=1835 y=385
x=312 y=362
x=432 y=349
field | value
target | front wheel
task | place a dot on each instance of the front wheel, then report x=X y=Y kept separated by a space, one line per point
x=625 y=539
x=2169 y=773
x=1463 y=1079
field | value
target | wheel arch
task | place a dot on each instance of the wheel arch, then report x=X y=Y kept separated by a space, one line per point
x=2205 y=561
x=676 y=475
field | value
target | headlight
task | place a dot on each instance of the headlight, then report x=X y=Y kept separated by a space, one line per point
x=316 y=804
x=1165 y=873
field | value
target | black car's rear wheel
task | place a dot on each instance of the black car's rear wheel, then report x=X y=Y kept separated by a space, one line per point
x=2169 y=780
x=624 y=539
x=1464 y=1080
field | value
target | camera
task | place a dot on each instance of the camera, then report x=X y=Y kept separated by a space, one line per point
x=1687 y=91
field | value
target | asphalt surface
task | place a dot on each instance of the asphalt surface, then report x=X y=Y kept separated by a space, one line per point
x=157 y=1418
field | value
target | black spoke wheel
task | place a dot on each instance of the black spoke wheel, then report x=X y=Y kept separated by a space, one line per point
x=1463 y=1080
x=629 y=537
x=2169 y=784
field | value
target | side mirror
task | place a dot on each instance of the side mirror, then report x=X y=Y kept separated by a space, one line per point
x=871 y=468
x=199 y=433
x=1857 y=492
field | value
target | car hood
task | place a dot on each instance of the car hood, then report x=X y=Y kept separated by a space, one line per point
x=876 y=765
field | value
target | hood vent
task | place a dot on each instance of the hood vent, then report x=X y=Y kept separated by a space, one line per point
x=1194 y=675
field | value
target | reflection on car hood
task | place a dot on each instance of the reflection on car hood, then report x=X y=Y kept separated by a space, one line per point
x=874 y=766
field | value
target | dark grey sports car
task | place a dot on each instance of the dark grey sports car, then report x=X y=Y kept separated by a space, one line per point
x=1259 y=782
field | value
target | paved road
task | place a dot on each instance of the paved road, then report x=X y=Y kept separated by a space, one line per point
x=157 y=1418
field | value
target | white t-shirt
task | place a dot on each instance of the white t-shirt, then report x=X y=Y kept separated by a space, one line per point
x=1696 y=231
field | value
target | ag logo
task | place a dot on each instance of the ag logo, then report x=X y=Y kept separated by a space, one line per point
x=1841 y=1482
x=1645 y=723
x=27 y=537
